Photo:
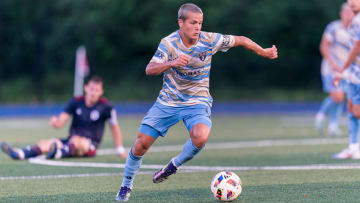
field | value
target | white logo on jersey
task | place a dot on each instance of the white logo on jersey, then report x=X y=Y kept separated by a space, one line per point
x=94 y=115
x=78 y=111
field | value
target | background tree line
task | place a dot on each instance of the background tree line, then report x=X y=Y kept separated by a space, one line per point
x=38 y=40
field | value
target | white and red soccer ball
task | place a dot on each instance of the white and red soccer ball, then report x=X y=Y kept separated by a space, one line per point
x=226 y=186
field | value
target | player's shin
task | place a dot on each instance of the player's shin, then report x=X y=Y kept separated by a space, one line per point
x=132 y=165
x=187 y=153
x=30 y=151
x=67 y=150
x=326 y=105
x=335 y=115
x=353 y=129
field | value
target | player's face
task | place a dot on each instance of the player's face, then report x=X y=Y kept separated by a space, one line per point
x=191 y=27
x=354 y=5
x=93 y=92
x=346 y=15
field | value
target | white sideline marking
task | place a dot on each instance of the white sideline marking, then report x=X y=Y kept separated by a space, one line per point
x=67 y=176
x=42 y=161
x=191 y=169
x=244 y=144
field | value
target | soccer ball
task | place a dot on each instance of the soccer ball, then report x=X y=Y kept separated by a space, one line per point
x=226 y=186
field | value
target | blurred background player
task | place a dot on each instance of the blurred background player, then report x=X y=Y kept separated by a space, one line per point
x=352 y=62
x=89 y=114
x=334 y=48
x=184 y=59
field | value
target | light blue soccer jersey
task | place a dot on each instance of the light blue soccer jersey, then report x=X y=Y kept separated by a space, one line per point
x=354 y=31
x=189 y=85
x=339 y=36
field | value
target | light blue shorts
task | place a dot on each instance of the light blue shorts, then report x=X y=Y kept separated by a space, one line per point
x=160 y=118
x=354 y=93
x=328 y=84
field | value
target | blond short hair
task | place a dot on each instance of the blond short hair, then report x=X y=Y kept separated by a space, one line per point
x=186 y=8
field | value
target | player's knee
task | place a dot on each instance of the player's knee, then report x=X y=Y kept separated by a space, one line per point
x=141 y=145
x=356 y=111
x=42 y=144
x=82 y=145
x=200 y=135
x=338 y=96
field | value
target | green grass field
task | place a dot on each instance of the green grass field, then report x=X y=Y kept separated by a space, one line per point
x=21 y=181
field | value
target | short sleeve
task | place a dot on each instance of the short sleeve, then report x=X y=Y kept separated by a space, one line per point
x=161 y=54
x=110 y=114
x=113 y=117
x=70 y=107
x=329 y=32
x=223 y=42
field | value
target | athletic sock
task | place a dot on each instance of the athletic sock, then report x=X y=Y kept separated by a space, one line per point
x=68 y=150
x=353 y=129
x=132 y=165
x=335 y=113
x=354 y=147
x=30 y=151
x=326 y=105
x=188 y=152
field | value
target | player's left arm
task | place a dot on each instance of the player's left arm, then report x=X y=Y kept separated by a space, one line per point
x=355 y=51
x=270 y=53
x=116 y=134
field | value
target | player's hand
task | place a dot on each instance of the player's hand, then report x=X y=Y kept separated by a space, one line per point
x=53 y=121
x=337 y=81
x=120 y=150
x=270 y=53
x=181 y=61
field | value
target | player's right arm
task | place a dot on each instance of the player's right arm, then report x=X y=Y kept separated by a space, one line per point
x=327 y=41
x=154 y=68
x=59 y=121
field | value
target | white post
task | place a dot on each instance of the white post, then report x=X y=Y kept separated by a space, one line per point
x=81 y=70
x=79 y=83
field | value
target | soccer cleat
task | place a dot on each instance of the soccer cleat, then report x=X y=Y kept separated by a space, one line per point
x=355 y=155
x=123 y=194
x=11 y=152
x=52 y=152
x=347 y=154
x=164 y=173
x=335 y=132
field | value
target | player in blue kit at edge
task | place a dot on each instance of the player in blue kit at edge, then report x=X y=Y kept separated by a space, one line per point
x=184 y=59
x=89 y=114
x=352 y=63
x=334 y=48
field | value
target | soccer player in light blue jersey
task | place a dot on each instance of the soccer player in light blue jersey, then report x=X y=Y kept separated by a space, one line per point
x=184 y=59
x=334 y=48
x=353 y=63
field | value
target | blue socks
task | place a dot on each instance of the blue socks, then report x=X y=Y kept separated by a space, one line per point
x=68 y=150
x=31 y=151
x=335 y=113
x=326 y=105
x=353 y=129
x=188 y=152
x=133 y=162
x=131 y=167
